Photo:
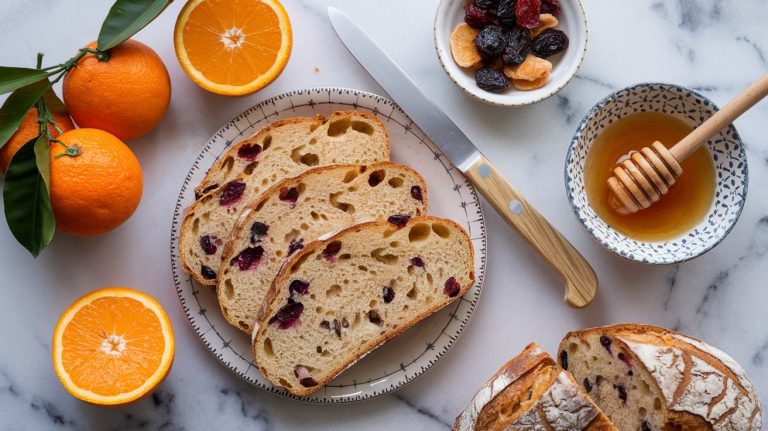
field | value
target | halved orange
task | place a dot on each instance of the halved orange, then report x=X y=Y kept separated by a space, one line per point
x=233 y=47
x=113 y=346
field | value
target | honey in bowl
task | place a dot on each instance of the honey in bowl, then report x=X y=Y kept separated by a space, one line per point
x=683 y=207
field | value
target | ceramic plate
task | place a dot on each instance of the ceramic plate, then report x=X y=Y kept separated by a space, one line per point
x=450 y=196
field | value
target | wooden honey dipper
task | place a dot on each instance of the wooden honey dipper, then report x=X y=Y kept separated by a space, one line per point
x=646 y=175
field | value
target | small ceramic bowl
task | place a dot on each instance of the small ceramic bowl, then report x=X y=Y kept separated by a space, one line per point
x=572 y=21
x=730 y=170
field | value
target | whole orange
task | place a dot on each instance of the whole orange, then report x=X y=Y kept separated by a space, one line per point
x=97 y=189
x=28 y=129
x=126 y=95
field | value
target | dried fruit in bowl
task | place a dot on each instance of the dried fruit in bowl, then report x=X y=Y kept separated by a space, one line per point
x=463 y=48
x=531 y=69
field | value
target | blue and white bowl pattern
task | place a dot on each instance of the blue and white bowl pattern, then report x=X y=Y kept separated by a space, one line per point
x=727 y=151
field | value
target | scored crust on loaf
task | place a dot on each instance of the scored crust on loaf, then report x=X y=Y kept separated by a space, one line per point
x=287 y=148
x=338 y=299
x=651 y=378
x=328 y=199
x=530 y=392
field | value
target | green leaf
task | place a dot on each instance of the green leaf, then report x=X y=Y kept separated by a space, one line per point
x=53 y=102
x=27 y=203
x=43 y=159
x=12 y=78
x=126 y=18
x=17 y=105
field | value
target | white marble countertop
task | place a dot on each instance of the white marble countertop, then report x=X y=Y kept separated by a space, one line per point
x=716 y=47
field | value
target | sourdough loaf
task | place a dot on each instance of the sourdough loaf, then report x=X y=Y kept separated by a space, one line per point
x=282 y=150
x=650 y=378
x=530 y=392
x=336 y=300
x=327 y=199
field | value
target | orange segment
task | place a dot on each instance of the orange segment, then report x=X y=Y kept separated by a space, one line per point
x=113 y=346
x=233 y=47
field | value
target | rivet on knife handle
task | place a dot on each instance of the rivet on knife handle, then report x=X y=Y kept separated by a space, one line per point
x=579 y=277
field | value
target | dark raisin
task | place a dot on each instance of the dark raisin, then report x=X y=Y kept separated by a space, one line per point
x=319 y=349
x=332 y=248
x=289 y=195
x=399 y=219
x=258 y=229
x=374 y=317
x=551 y=7
x=606 y=341
x=518 y=46
x=308 y=382
x=416 y=193
x=295 y=246
x=249 y=151
x=388 y=294
x=486 y=4
x=288 y=315
x=232 y=193
x=587 y=385
x=622 y=392
x=337 y=327
x=490 y=42
x=478 y=17
x=645 y=426
x=207 y=244
x=527 y=13
x=564 y=359
x=205 y=191
x=344 y=323
x=625 y=359
x=452 y=287
x=298 y=287
x=417 y=262
x=325 y=324
x=247 y=259
x=549 y=42
x=490 y=79
x=506 y=13
x=207 y=273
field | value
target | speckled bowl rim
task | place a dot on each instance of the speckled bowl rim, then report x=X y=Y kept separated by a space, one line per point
x=477 y=95
x=609 y=244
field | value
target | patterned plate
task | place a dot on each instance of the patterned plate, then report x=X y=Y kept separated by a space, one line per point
x=450 y=195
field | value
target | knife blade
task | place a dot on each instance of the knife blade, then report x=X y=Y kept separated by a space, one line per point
x=579 y=277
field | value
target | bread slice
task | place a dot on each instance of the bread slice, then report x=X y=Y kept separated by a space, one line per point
x=338 y=299
x=651 y=378
x=328 y=199
x=530 y=392
x=288 y=148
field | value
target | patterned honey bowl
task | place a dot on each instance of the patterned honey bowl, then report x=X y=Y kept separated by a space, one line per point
x=727 y=151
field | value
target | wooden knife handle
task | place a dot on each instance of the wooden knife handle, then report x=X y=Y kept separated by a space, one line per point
x=579 y=277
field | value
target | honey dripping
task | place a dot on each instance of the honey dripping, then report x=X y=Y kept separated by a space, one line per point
x=688 y=200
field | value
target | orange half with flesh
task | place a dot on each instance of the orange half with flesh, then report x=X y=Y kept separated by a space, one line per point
x=233 y=47
x=113 y=346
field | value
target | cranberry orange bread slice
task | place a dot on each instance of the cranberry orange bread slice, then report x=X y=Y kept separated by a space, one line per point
x=293 y=147
x=324 y=200
x=651 y=378
x=338 y=299
x=530 y=392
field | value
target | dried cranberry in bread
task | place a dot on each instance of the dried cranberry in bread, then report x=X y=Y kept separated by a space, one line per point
x=327 y=200
x=286 y=148
x=338 y=299
x=651 y=378
x=530 y=392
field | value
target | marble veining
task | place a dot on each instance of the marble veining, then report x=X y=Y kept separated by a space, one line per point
x=716 y=47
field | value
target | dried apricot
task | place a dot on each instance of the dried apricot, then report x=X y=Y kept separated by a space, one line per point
x=531 y=69
x=546 y=21
x=522 y=84
x=463 y=48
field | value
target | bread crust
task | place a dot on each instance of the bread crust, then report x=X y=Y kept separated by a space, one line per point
x=244 y=220
x=694 y=349
x=271 y=305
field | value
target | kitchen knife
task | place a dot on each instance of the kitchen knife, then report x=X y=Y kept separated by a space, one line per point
x=578 y=276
